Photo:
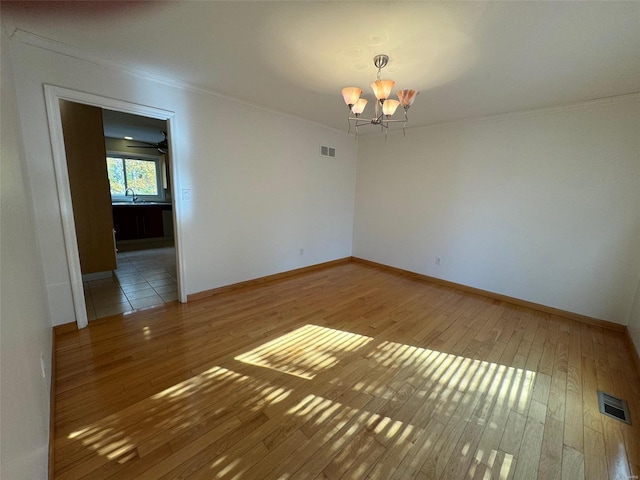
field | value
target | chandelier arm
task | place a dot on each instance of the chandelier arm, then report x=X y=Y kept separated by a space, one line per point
x=375 y=120
x=394 y=120
x=360 y=121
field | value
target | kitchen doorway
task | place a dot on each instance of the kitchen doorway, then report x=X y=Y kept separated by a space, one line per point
x=138 y=168
x=166 y=278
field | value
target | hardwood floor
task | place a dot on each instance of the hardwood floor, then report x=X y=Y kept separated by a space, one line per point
x=346 y=372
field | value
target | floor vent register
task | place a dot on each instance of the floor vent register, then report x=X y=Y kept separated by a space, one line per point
x=613 y=407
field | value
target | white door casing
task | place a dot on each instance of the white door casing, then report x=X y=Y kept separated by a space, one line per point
x=53 y=95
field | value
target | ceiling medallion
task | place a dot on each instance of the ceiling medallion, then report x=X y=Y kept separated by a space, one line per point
x=384 y=106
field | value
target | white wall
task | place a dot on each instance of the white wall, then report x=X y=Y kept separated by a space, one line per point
x=541 y=206
x=25 y=326
x=260 y=190
x=634 y=320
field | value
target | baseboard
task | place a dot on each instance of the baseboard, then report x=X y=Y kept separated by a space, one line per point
x=635 y=355
x=497 y=296
x=267 y=279
x=417 y=276
x=52 y=407
x=57 y=330
x=64 y=328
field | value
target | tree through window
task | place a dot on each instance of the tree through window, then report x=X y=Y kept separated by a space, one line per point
x=138 y=174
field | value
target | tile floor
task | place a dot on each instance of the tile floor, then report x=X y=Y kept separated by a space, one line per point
x=144 y=278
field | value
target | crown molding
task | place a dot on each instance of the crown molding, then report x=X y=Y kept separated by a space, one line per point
x=44 y=43
x=547 y=110
x=60 y=48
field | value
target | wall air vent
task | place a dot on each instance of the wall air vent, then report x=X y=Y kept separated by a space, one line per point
x=327 y=151
x=613 y=407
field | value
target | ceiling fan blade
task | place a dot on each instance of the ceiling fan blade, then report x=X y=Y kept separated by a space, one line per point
x=147 y=143
x=162 y=145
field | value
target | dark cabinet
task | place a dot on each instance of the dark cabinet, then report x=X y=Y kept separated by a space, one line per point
x=138 y=221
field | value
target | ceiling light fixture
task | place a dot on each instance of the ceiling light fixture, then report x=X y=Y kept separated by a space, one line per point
x=384 y=106
x=128 y=138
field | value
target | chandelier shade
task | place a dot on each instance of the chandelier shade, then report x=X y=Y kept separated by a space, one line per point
x=385 y=108
x=407 y=97
x=358 y=107
x=351 y=95
x=382 y=88
x=389 y=107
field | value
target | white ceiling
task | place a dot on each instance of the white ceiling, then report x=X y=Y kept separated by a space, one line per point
x=468 y=59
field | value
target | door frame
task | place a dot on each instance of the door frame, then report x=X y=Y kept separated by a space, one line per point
x=53 y=95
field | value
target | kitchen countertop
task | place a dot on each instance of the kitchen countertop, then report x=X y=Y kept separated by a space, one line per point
x=140 y=204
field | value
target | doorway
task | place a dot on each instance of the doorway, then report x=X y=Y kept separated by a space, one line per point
x=136 y=271
x=141 y=208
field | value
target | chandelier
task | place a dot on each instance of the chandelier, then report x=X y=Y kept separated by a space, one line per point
x=384 y=106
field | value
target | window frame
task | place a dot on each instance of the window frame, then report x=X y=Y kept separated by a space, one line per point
x=139 y=156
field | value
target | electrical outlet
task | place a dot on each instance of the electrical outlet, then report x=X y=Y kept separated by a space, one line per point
x=186 y=194
x=302 y=251
x=42 y=366
x=437 y=260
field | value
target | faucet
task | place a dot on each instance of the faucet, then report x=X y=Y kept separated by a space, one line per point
x=134 y=197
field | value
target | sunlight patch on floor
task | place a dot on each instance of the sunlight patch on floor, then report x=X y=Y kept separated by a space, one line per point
x=306 y=351
x=387 y=395
x=175 y=409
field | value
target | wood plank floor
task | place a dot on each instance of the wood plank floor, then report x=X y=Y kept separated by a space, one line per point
x=346 y=372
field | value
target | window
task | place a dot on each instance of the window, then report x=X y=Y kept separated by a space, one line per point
x=139 y=174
